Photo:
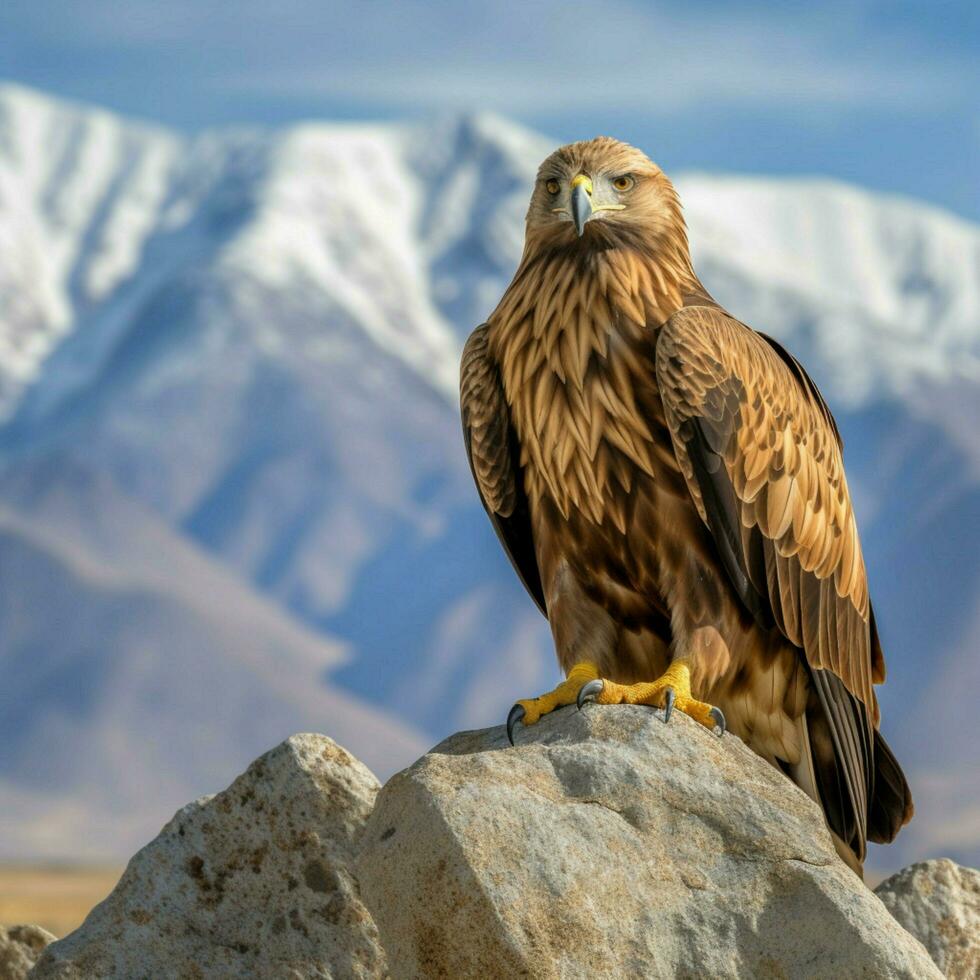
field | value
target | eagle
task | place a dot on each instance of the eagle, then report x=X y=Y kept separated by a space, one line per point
x=669 y=486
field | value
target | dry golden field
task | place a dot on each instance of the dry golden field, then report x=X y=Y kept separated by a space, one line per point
x=56 y=897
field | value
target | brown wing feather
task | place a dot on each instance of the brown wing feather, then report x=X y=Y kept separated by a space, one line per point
x=492 y=450
x=725 y=388
x=762 y=458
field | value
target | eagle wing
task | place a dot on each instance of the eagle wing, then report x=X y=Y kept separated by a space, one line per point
x=763 y=461
x=492 y=448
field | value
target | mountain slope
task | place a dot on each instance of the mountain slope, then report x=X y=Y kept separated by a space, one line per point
x=138 y=671
x=247 y=342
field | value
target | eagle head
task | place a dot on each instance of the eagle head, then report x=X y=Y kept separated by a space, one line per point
x=602 y=192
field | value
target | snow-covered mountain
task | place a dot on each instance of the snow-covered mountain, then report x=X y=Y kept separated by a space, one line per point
x=233 y=496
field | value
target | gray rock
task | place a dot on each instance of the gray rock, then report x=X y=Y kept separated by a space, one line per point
x=254 y=882
x=939 y=903
x=609 y=844
x=20 y=946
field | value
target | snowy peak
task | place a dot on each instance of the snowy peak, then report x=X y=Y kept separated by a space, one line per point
x=412 y=232
x=325 y=213
x=475 y=173
x=892 y=287
x=335 y=217
x=80 y=191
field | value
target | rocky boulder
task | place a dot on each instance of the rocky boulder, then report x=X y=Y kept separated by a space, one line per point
x=606 y=844
x=610 y=844
x=20 y=946
x=254 y=882
x=939 y=903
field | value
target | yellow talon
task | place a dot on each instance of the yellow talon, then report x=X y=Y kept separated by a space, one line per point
x=676 y=679
x=669 y=691
x=565 y=693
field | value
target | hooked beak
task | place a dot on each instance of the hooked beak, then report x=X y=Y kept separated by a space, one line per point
x=581 y=202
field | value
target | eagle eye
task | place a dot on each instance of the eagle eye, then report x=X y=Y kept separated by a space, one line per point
x=623 y=182
x=553 y=186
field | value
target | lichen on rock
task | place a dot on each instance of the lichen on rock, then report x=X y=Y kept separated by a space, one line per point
x=254 y=882
x=938 y=902
x=20 y=947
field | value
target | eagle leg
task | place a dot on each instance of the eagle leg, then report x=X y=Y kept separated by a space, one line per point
x=671 y=690
x=531 y=710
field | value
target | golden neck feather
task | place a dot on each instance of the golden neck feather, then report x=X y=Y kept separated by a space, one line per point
x=613 y=286
x=569 y=340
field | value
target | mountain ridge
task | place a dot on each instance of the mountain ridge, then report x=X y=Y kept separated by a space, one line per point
x=715 y=207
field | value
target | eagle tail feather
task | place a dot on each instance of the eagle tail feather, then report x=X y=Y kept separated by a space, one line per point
x=891 y=807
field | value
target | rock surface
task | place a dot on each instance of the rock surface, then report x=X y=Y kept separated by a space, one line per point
x=254 y=882
x=610 y=844
x=606 y=844
x=939 y=903
x=20 y=946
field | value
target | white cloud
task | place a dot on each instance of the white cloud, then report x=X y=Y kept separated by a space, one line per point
x=520 y=58
x=567 y=56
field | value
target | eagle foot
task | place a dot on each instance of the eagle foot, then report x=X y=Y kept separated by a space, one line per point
x=531 y=710
x=671 y=690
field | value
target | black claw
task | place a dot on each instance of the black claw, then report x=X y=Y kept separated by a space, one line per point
x=719 y=717
x=669 y=699
x=588 y=691
x=516 y=714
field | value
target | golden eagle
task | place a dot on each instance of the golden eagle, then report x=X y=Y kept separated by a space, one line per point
x=669 y=486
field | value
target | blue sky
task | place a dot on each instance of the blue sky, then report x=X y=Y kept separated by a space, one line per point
x=882 y=94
